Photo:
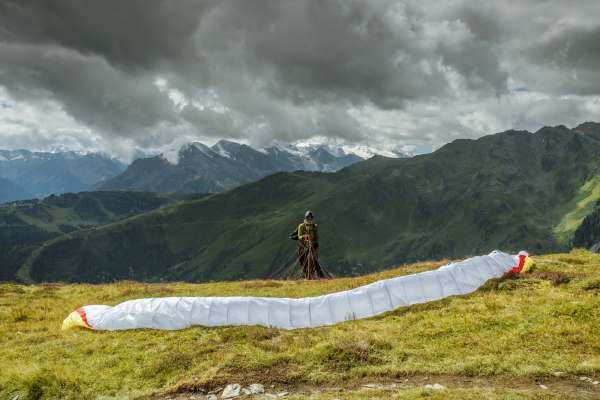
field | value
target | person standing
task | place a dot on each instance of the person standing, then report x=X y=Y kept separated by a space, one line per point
x=308 y=245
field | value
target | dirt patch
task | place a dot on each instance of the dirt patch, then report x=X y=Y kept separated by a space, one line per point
x=279 y=374
x=52 y=285
x=556 y=278
x=568 y=384
x=146 y=290
x=260 y=284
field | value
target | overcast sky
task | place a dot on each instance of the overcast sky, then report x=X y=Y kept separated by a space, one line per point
x=117 y=76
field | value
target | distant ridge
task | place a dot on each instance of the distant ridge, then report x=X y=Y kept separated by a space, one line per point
x=227 y=164
x=41 y=174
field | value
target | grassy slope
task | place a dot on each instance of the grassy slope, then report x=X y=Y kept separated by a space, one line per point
x=25 y=224
x=511 y=330
x=73 y=211
x=577 y=209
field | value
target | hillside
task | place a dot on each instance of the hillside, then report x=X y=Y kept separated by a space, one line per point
x=502 y=341
x=587 y=234
x=25 y=224
x=511 y=190
x=203 y=169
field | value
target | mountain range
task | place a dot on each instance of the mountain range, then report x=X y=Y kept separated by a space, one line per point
x=39 y=174
x=203 y=169
x=512 y=190
x=198 y=169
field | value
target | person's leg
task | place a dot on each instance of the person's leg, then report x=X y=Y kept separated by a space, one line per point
x=317 y=266
x=310 y=268
x=302 y=258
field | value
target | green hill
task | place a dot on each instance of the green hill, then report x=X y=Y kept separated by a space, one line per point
x=25 y=224
x=500 y=342
x=587 y=234
x=511 y=190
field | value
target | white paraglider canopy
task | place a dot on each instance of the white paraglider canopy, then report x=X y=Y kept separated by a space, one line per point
x=362 y=302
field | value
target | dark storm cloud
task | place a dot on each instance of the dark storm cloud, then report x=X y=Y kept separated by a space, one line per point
x=87 y=87
x=132 y=33
x=328 y=50
x=570 y=60
x=351 y=47
x=288 y=69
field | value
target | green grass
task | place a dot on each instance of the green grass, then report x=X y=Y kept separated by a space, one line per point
x=579 y=207
x=511 y=330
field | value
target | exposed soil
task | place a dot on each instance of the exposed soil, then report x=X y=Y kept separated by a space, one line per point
x=568 y=384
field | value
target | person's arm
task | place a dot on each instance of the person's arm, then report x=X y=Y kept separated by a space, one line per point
x=317 y=236
x=300 y=232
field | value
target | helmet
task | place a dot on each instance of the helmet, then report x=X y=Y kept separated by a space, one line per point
x=308 y=215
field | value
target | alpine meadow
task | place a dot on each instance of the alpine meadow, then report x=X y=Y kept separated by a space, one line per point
x=299 y=199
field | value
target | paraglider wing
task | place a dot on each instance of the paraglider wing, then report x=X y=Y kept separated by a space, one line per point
x=362 y=302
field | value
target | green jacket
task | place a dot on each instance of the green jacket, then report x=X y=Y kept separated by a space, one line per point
x=311 y=230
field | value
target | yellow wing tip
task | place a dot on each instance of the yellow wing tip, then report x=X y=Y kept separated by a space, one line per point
x=529 y=263
x=72 y=321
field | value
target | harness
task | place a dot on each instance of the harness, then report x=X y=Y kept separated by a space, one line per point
x=309 y=229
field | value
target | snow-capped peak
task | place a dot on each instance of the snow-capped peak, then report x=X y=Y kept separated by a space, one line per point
x=221 y=150
x=278 y=147
x=367 y=152
x=306 y=155
x=226 y=148
x=204 y=149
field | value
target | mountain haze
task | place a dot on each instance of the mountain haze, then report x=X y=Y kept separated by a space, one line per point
x=10 y=191
x=41 y=173
x=512 y=190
